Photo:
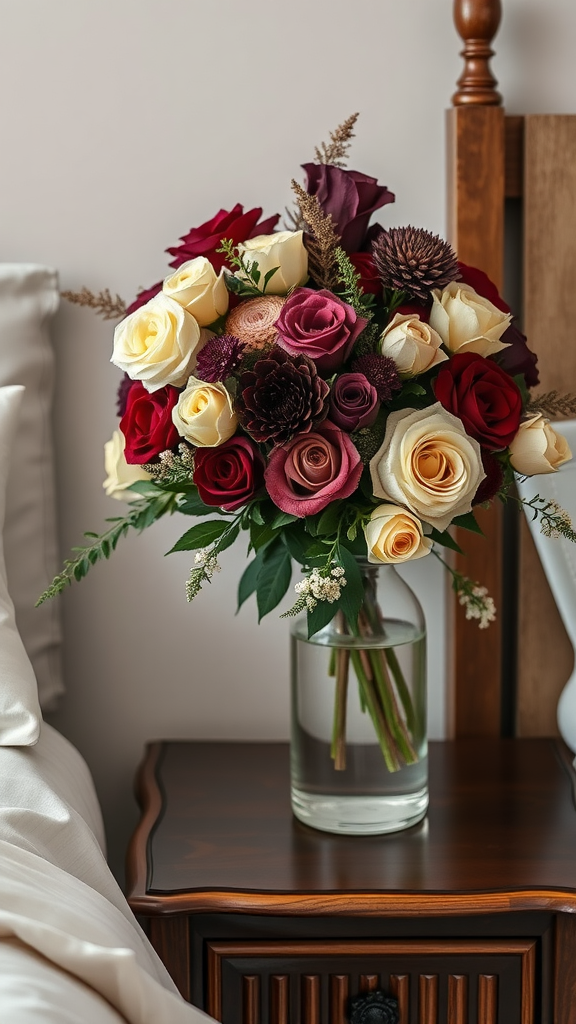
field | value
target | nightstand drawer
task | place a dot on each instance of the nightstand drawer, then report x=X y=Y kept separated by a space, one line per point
x=462 y=981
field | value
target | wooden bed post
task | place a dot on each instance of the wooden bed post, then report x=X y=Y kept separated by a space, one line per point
x=476 y=173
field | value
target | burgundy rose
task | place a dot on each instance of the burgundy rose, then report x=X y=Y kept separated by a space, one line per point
x=233 y=224
x=369 y=277
x=483 y=396
x=143 y=297
x=353 y=402
x=517 y=358
x=147 y=422
x=349 y=197
x=229 y=475
x=309 y=472
x=493 y=480
x=319 y=325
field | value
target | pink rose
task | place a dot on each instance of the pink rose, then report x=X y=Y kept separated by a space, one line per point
x=312 y=470
x=319 y=325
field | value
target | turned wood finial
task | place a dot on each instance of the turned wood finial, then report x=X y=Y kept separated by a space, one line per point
x=477 y=22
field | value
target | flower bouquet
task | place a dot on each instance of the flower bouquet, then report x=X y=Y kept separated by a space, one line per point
x=344 y=393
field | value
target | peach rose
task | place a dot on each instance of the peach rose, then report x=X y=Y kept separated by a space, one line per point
x=395 y=535
x=466 y=321
x=427 y=463
x=412 y=344
x=538 y=448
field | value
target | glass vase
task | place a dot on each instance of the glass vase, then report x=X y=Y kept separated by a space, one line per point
x=359 y=760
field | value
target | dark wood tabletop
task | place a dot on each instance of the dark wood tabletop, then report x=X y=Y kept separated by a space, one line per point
x=217 y=833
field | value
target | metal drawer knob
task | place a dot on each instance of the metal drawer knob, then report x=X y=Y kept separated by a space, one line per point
x=374 y=1008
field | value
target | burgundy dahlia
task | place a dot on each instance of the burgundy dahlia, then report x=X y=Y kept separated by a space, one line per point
x=380 y=372
x=219 y=358
x=281 y=396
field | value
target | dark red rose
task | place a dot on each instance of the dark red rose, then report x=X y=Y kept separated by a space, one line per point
x=414 y=309
x=147 y=422
x=233 y=224
x=143 y=297
x=518 y=358
x=229 y=475
x=349 y=197
x=492 y=482
x=483 y=396
x=319 y=325
x=369 y=277
x=353 y=402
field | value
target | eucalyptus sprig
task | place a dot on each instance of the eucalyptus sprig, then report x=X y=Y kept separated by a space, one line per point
x=143 y=512
x=252 y=274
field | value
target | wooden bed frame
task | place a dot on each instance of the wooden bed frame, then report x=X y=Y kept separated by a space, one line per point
x=520 y=172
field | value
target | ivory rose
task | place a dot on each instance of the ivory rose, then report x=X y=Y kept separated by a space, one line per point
x=158 y=343
x=466 y=321
x=285 y=250
x=427 y=463
x=395 y=535
x=204 y=415
x=305 y=475
x=412 y=344
x=119 y=475
x=197 y=287
x=538 y=448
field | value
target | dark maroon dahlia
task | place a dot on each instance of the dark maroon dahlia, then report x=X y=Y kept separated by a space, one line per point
x=219 y=358
x=281 y=396
x=380 y=372
x=414 y=261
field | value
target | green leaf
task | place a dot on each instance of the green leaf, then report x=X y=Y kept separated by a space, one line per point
x=268 y=277
x=283 y=519
x=147 y=488
x=256 y=514
x=254 y=272
x=249 y=579
x=467 y=522
x=273 y=579
x=353 y=593
x=320 y=616
x=297 y=541
x=330 y=519
x=228 y=538
x=445 y=539
x=192 y=505
x=260 y=535
x=200 y=536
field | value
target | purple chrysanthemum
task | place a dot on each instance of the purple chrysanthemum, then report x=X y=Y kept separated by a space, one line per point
x=380 y=372
x=219 y=358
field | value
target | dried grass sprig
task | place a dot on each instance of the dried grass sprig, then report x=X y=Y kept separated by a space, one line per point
x=322 y=239
x=336 y=152
x=104 y=304
x=552 y=403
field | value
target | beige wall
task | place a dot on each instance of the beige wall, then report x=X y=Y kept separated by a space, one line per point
x=125 y=122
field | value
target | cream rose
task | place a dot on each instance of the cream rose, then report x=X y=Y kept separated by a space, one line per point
x=285 y=250
x=204 y=414
x=158 y=343
x=466 y=321
x=197 y=287
x=412 y=344
x=395 y=535
x=538 y=448
x=120 y=476
x=428 y=463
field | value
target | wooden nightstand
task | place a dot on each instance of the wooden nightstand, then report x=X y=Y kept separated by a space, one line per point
x=467 y=918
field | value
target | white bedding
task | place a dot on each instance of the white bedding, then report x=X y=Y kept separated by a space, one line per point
x=60 y=901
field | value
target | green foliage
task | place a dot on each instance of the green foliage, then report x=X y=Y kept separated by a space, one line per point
x=273 y=578
x=248 y=285
x=467 y=522
x=352 y=292
x=200 y=536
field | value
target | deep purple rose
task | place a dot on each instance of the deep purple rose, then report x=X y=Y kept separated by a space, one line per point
x=309 y=472
x=353 y=402
x=319 y=325
x=349 y=197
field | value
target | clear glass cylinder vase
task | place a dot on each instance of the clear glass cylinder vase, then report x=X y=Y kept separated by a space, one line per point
x=359 y=760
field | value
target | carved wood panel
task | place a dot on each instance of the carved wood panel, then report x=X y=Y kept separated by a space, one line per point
x=488 y=981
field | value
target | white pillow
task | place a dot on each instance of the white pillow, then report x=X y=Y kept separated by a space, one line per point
x=29 y=297
x=20 y=714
